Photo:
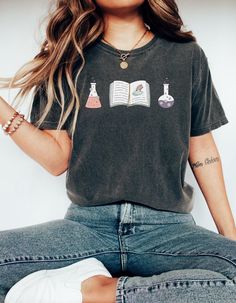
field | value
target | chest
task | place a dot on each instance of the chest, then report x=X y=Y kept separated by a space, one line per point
x=153 y=93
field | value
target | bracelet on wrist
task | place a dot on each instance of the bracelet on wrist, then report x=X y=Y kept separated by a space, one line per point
x=18 y=123
x=9 y=122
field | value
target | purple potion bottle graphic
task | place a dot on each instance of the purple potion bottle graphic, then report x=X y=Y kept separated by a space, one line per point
x=166 y=100
x=93 y=100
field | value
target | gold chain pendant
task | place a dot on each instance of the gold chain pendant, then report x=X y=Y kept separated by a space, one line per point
x=123 y=65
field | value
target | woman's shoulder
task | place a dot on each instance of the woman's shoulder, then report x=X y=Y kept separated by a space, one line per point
x=190 y=49
x=182 y=45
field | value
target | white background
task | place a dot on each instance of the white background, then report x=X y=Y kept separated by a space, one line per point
x=28 y=193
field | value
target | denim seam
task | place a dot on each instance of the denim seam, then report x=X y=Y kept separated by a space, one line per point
x=123 y=253
x=188 y=255
x=182 y=283
x=72 y=256
x=120 y=289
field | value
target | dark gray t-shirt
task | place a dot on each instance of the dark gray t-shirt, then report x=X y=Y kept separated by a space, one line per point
x=133 y=129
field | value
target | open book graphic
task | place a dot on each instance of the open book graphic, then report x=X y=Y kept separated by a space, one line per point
x=124 y=93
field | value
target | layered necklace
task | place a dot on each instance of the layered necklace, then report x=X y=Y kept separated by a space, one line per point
x=124 y=56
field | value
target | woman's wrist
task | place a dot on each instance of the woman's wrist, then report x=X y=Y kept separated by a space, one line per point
x=6 y=111
x=20 y=118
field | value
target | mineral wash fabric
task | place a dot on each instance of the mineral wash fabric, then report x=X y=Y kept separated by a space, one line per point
x=134 y=125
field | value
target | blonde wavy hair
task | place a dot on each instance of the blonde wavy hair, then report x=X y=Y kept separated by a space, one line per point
x=72 y=26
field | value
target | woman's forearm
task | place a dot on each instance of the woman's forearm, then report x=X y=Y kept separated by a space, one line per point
x=205 y=162
x=36 y=143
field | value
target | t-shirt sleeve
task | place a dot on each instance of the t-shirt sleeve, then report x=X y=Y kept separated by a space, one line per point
x=51 y=120
x=207 y=112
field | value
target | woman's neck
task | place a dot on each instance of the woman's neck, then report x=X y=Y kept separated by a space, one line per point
x=124 y=32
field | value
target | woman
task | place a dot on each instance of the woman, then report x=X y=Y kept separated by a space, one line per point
x=124 y=98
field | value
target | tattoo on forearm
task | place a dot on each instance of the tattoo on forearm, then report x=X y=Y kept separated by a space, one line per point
x=207 y=161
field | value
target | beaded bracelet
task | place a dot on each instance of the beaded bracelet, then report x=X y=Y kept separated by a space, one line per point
x=9 y=122
x=18 y=123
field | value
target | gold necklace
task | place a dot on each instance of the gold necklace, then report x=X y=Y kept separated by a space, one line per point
x=124 y=56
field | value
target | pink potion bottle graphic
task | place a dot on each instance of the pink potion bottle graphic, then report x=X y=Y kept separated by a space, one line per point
x=166 y=100
x=93 y=100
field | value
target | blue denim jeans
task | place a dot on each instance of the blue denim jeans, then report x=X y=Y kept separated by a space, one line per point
x=159 y=256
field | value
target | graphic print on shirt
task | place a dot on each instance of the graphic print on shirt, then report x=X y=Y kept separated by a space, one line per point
x=166 y=100
x=93 y=100
x=129 y=94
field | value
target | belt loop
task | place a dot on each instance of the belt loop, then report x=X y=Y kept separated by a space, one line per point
x=126 y=212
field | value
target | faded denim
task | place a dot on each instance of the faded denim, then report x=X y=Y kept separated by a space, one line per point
x=160 y=256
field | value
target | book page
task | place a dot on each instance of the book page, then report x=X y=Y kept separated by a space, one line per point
x=139 y=93
x=119 y=93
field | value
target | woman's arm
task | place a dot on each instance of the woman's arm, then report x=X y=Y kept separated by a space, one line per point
x=205 y=163
x=40 y=145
